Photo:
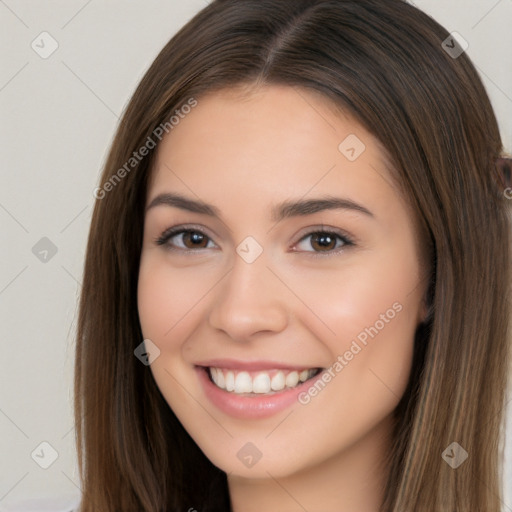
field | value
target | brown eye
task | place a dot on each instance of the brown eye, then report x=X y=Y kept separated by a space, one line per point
x=327 y=242
x=196 y=239
x=184 y=239
x=323 y=241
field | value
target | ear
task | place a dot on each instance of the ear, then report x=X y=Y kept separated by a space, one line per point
x=426 y=307
x=504 y=170
x=424 y=312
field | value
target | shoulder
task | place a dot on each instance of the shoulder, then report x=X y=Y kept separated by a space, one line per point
x=68 y=503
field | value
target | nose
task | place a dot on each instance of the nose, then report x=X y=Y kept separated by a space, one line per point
x=249 y=300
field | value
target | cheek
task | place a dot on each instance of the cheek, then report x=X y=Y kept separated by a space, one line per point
x=168 y=298
x=368 y=314
x=367 y=290
x=169 y=304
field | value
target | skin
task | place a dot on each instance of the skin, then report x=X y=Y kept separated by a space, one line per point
x=244 y=153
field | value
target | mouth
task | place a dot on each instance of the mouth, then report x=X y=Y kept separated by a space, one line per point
x=260 y=382
x=250 y=390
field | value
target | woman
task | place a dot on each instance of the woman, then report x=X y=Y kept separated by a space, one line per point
x=296 y=289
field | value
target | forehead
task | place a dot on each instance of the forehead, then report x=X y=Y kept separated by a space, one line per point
x=275 y=137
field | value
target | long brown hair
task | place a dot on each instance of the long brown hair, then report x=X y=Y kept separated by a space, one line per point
x=385 y=63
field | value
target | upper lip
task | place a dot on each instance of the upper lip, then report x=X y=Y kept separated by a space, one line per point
x=252 y=365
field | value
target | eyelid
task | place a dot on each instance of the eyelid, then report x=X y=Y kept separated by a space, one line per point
x=348 y=241
x=179 y=229
x=322 y=228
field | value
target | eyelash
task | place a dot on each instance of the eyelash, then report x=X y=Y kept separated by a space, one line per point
x=169 y=233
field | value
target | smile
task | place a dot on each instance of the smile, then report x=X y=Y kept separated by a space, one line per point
x=251 y=383
x=253 y=389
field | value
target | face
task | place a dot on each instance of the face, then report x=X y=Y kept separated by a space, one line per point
x=285 y=309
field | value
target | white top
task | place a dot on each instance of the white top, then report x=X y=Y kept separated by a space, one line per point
x=68 y=503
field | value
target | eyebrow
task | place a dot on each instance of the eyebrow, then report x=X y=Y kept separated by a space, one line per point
x=279 y=212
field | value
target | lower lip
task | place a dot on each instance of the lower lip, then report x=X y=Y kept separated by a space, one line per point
x=259 y=406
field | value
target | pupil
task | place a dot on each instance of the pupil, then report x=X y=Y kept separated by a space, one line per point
x=195 y=237
x=324 y=240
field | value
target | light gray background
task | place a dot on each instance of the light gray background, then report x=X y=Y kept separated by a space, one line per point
x=58 y=118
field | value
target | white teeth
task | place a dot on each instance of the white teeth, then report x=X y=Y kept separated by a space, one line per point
x=230 y=381
x=221 y=381
x=292 y=379
x=278 y=382
x=261 y=383
x=242 y=382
